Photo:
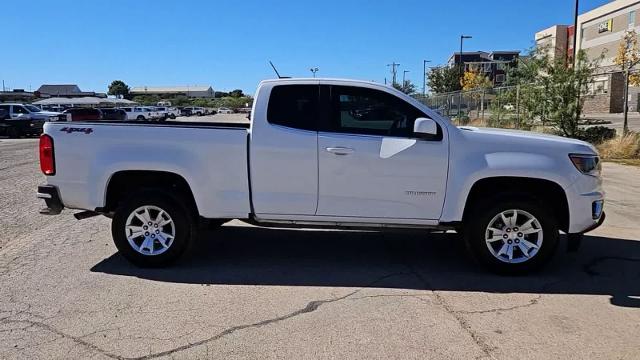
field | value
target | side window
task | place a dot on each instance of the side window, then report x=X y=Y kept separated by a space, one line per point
x=370 y=112
x=19 y=110
x=4 y=107
x=294 y=106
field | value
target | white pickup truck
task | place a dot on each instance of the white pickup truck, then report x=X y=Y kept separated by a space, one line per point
x=326 y=153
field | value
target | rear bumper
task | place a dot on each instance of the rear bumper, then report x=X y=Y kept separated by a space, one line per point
x=49 y=194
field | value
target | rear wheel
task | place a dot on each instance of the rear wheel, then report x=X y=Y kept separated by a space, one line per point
x=511 y=236
x=140 y=118
x=152 y=229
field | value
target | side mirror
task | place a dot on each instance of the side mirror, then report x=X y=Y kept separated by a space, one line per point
x=425 y=126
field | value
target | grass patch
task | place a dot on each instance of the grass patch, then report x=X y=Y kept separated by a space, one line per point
x=621 y=147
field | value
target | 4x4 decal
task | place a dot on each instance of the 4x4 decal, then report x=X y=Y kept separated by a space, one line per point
x=70 y=130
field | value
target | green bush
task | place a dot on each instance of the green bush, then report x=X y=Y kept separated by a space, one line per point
x=597 y=134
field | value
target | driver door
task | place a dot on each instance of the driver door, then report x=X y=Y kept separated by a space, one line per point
x=372 y=166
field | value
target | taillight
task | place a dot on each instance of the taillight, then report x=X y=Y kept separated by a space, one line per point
x=47 y=159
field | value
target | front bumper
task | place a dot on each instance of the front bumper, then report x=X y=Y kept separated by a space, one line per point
x=49 y=194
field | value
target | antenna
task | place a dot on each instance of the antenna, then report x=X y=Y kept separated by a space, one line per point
x=276 y=70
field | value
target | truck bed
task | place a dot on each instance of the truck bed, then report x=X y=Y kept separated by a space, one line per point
x=170 y=123
x=211 y=157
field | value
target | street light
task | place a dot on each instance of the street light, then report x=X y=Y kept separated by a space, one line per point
x=424 y=77
x=314 y=70
x=404 y=77
x=462 y=37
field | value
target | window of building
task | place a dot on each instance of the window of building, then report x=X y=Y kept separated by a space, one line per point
x=294 y=106
x=632 y=18
x=500 y=78
x=598 y=86
x=370 y=112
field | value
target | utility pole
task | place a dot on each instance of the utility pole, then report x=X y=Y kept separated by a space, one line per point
x=462 y=37
x=404 y=77
x=424 y=77
x=575 y=58
x=3 y=90
x=394 y=72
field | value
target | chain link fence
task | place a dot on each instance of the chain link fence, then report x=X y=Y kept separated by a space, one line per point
x=493 y=105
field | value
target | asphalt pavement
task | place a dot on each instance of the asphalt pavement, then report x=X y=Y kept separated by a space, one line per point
x=248 y=292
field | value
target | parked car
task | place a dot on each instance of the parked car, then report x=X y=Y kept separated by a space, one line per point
x=154 y=114
x=224 y=110
x=83 y=114
x=23 y=120
x=185 y=111
x=168 y=112
x=196 y=110
x=27 y=111
x=137 y=113
x=508 y=193
x=113 y=114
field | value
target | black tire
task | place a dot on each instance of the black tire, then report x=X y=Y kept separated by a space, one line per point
x=13 y=132
x=172 y=116
x=479 y=218
x=174 y=207
x=140 y=118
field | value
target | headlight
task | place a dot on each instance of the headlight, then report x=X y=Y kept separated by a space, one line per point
x=587 y=164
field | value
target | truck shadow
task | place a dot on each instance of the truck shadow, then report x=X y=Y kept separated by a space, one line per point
x=235 y=255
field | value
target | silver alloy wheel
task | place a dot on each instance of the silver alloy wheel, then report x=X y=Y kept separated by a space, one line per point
x=150 y=230
x=514 y=236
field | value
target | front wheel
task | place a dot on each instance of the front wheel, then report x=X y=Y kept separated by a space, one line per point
x=152 y=229
x=140 y=118
x=511 y=236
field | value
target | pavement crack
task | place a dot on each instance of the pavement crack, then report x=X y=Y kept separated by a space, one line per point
x=531 y=302
x=61 y=334
x=486 y=349
x=310 y=307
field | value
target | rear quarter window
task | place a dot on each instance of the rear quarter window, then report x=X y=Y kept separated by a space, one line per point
x=294 y=106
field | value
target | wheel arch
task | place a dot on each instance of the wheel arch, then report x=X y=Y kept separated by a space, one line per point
x=125 y=182
x=548 y=192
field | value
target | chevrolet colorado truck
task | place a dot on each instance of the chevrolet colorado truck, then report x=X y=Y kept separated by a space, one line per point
x=326 y=153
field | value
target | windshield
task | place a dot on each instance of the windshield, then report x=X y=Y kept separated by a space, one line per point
x=33 y=108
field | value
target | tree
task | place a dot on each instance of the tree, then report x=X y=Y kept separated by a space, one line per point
x=473 y=80
x=627 y=58
x=444 y=79
x=119 y=89
x=236 y=93
x=408 y=87
x=559 y=89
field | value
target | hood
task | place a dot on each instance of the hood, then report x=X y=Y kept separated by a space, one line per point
x=521 y=138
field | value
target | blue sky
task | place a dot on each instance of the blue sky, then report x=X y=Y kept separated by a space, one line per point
x=227 y=44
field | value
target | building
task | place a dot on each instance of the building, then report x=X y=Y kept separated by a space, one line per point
x=16 y=95
x=171 y=91
x=599 y=34
x=555 y=42
x=494 y=65
x=65 y=91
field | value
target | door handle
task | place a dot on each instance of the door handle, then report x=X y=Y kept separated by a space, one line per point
x=340 y=150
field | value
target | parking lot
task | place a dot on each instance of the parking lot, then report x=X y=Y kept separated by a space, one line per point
x=247 y=292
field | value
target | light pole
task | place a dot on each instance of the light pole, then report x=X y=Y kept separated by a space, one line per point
x=393 y=66
x=424 y=77
x=314 y=70
x=462 y=37
x=404 y=77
